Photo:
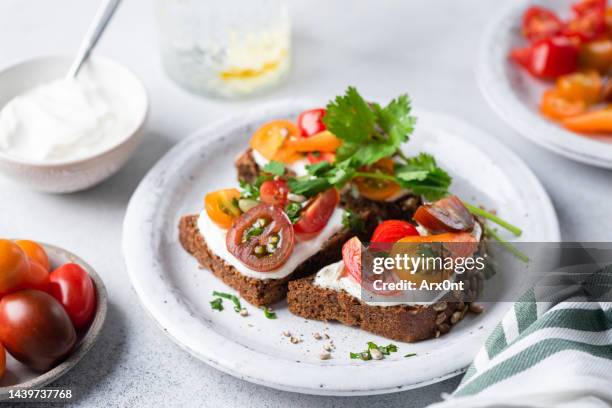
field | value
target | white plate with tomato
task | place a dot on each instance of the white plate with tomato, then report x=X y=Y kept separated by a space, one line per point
x=544 y=67
x=179 y=296
x=52 y=309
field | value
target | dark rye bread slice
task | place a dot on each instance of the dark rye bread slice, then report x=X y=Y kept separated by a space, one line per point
x=256 y=291
x=372 y=212
x=401 y=322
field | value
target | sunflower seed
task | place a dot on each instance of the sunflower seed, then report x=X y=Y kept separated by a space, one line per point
x=376 y=354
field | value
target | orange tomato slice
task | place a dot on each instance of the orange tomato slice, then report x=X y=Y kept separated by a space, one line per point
x=324 y=141
x=554 y=106
x=375 y=189
x=599 y=121
x=580 y=86
x=222 y=206
x=269 y=138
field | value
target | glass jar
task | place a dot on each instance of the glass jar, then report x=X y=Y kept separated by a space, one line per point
x=225 y=48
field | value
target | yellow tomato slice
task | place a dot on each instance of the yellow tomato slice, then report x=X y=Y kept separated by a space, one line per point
x=324 y=141
x=222 y=206
x=269 y=138
x=375 y=189
x=580 y=86
x=556 y=107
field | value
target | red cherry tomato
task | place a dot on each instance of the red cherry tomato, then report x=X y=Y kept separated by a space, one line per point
x=392 y=231
x=274 y=192
x=316 y=157
x=586 y=27
x=548 y=59
x=35 y=329
x=310 y=122
x=318 y=212
x=351 y=256
x=446 y=215
x=74 y=289
x=540 y=23
x=2 y=361
x=583 y=7
x=261 y=238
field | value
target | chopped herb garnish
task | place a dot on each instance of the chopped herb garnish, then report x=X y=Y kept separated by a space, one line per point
x=235 y=300
x=268 y=313
x=352 y=221
x=293 y=211
x=410 y=355
x=217 y=304
x=249 y=190
x=253 y=231
x=367 y=354
x=274 y=167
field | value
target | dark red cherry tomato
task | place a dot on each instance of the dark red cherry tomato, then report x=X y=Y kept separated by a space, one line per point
x=446 y=215
x=318 y=212
x=274 y=192
x=310 y=122
x=74 y=289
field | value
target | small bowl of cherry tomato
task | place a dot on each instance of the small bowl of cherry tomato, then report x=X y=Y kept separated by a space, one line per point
x=546 y=68
x=52 y=309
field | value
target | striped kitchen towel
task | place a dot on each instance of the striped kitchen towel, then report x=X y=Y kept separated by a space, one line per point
x=543 y=354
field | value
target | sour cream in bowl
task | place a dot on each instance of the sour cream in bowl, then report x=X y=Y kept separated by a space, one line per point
x=64 y=135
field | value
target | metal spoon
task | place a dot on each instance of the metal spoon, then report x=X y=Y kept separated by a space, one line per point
x=100 y=21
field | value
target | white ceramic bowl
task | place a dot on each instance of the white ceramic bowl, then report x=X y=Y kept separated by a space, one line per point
x=74 y=175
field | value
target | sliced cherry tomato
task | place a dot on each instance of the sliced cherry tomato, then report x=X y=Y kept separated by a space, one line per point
x=222 y=206
x=317 y=213
x=599 y=121
x=583 y=7
x=274 y=192
x=586 y=27
x=262 y=238
x=316 y=157
x=581 y=86
x=35 y=252
x=597 y=55
x=14 y=266
x=351 y=256
x=548 y=58
x=556 y=107
x=446 y=215
x=375 y=189
x=392 y=231
x=35 y=329
x=310 y=122
x=74 y=289
x=2 y=361
x=269 y=138
x=540 y=23
x=321 y=142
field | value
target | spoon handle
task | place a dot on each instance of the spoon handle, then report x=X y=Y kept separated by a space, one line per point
x=103 y=16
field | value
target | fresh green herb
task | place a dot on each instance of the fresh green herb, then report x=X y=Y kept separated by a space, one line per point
x=367 y=354
x=274 y=167
x=422 y=175
x=410 y=355
x=235 y=300
x=293 y=211
x=217 y=304
x=268 y=313
x=319 y=168
x=249 y=190
x=487 y=215
x=253 y=231
x=352 y=221
x=307 y=185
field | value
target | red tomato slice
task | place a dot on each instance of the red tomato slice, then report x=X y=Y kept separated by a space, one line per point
x=392 y=231
x=310 y=122
x=351 y=255
x=446 y=215
x=274 y=192
x=318 y=212
x=583 y=7
x=261 y=238
x=548 y=59
x=540 y=23
x=586 y=27
x=316 y=157
x=74 y=289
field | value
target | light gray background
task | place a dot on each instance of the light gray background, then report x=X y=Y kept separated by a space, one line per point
x=425 y=47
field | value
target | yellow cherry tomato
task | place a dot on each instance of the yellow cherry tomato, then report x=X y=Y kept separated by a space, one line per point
x=222 y=206
x=35 y=252
x=556 y=107
x=269 y=138
x=377 y=189
x=581 y=86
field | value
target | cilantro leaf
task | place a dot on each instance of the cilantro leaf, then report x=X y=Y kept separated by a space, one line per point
x=350 y=118
x=410 y=355
x=308 y=186
x=293 y=211
x=395 y=119
x=217 y=304
x=268 y=313
x=422 y=175
x=274 y=167
x=319 y=168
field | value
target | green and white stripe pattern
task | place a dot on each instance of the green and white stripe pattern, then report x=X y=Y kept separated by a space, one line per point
x=543 y=354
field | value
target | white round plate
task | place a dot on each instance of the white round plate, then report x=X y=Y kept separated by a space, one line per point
x=20 y=377
x=515 y=95
x=177 y=293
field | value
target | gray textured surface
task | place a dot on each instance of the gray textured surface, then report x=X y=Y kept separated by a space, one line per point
x=424 y=47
